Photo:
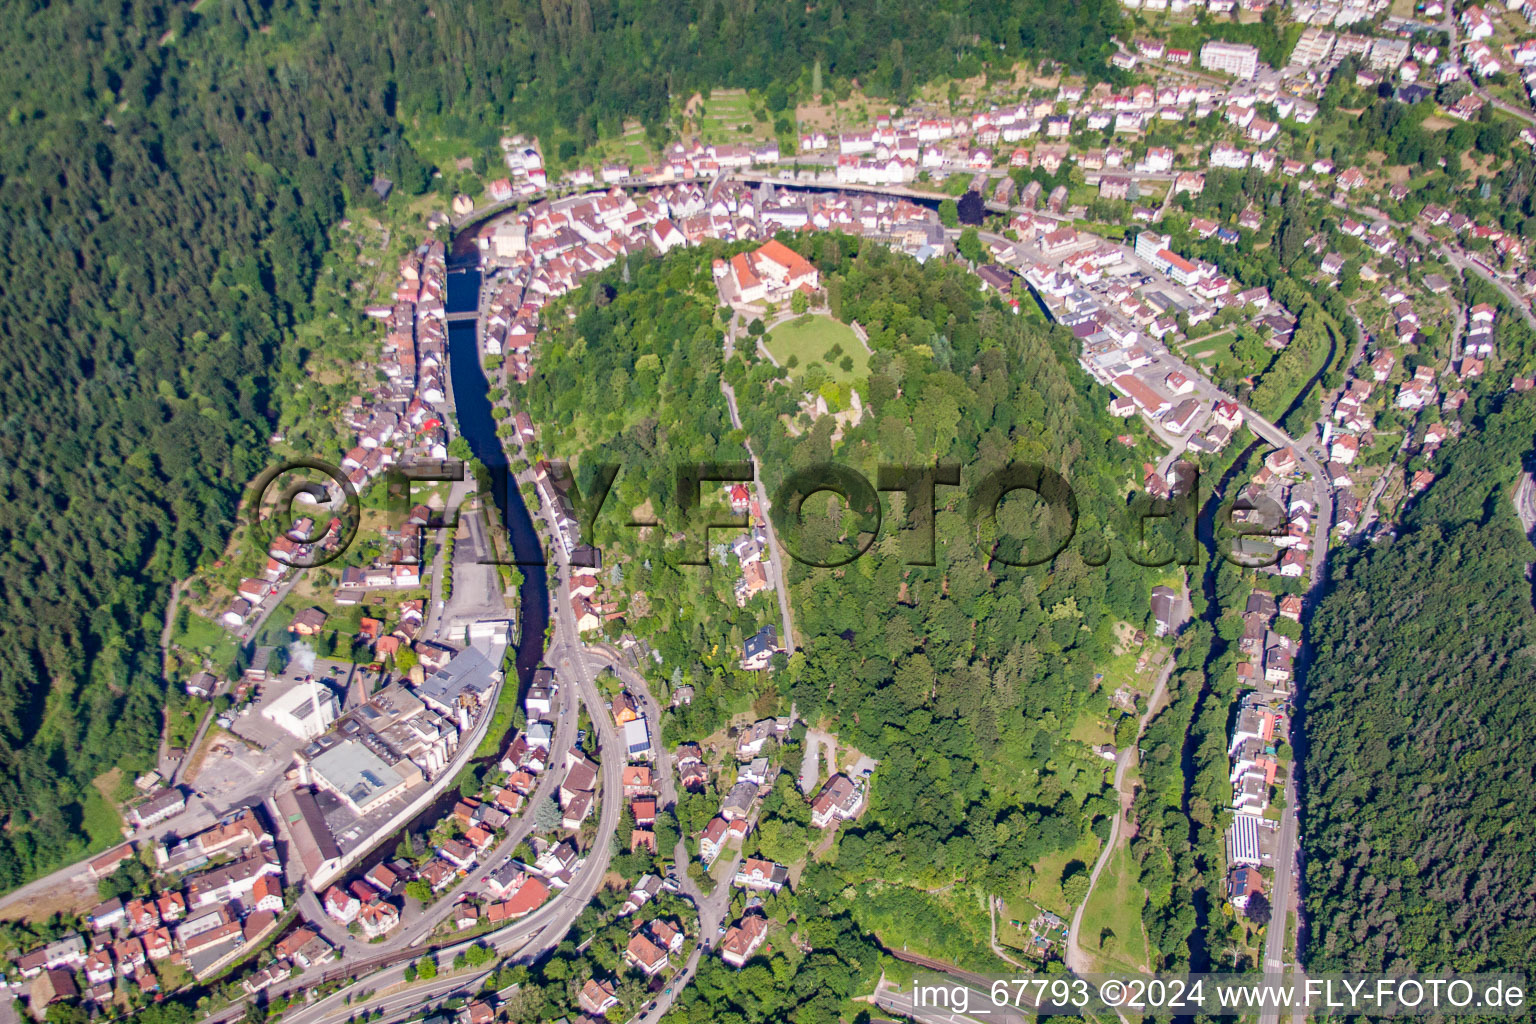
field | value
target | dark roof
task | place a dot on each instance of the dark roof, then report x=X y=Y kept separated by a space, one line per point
x=1262 y=602
x=1164 y=600
x=765 y=639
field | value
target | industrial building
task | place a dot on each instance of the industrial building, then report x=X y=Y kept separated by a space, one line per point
x=306 y=711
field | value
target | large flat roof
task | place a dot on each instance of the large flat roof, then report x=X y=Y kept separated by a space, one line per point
x=353 y=769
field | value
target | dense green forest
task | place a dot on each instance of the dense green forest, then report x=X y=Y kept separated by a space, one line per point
x=1419 y=790
x=169 y=180
x=164 y=211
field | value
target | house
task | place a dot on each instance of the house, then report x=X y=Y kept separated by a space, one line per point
x=1344 y=448
x=377 y=919
x=761 y=875
x=743 y=939
x=637 y=780
x=1290 y=607
x=839 y=800
x=266 y=894
x=1243 y=882
x=597 y=997
x=341 y=905
x=749 y=743
x=666 y=935
x=438 y=874
x=645 y=955
x=382 y=878
x=51 y=986
x=106 y=915
x=202 y=684
x=158 y=944
x=738 y=802
x=458 y=853
x=712 y=839
x=307 y=622
x=1166 y=609
x=166 y=804
x=576 y=811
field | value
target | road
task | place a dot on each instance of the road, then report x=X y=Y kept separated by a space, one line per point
x=1525 y=502
x=1077 y=960
x=197 y=741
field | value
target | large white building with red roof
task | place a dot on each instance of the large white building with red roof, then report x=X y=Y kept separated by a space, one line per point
x=767 y=274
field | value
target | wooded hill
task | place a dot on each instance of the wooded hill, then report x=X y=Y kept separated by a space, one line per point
x=1421 y=720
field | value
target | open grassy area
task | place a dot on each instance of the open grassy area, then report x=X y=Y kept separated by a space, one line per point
x=722 y=116
x=810 y=339
x=1112 y=930
x=196 y=638
x=1045 y=889
x=99 y=814
x=1089 y=730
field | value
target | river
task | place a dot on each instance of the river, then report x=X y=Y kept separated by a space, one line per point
x=1205 y=530
x=472 y=412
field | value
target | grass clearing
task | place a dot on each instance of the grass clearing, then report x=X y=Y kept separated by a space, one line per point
x=98 y=810
x=1112 y=930
x=811 y=339
x=1089 y=730
x=1045 y=887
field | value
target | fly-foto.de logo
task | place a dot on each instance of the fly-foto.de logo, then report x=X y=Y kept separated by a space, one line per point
x=825 y=515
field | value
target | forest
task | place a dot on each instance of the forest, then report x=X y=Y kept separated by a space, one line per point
x=1418 y=787
x=170 y=179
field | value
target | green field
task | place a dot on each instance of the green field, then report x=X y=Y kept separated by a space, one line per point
x=1045 y=887
x=810 y=339
x=1112 y=929
x=726 y=112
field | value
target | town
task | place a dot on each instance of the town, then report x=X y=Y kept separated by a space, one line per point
x=376 y=789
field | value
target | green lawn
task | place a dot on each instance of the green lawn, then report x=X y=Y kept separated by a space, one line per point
x=1089 y=730
x=1045 y=887
x=1112 y=929
x=810 y=339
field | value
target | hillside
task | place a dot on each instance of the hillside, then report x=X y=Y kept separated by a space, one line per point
x=1419 y=716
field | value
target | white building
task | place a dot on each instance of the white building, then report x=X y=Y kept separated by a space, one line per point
x=306 y=711
x=1237 y=59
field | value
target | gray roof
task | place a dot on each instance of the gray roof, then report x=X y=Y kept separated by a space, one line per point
x=469 y=672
